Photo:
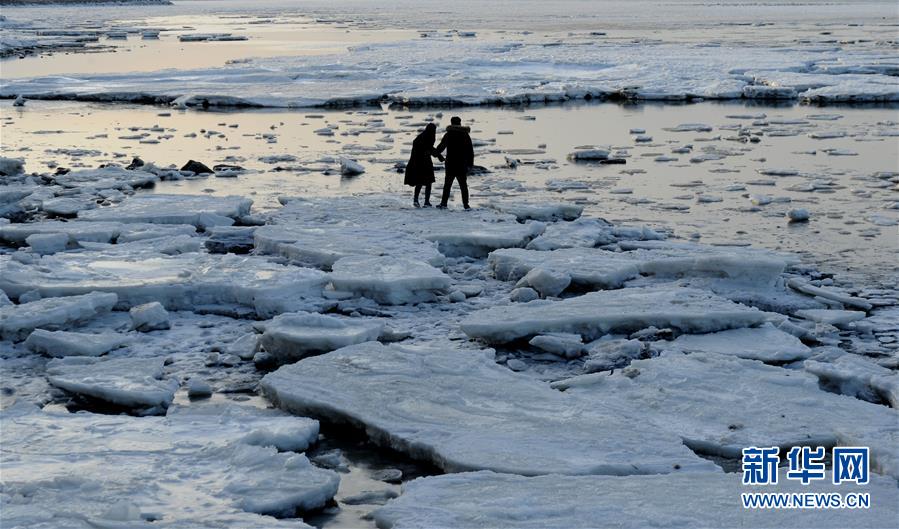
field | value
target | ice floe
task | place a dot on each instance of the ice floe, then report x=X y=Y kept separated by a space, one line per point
x=198 y=210
x=199 y=466
x=179 y=282
x=686 y=310
x=63 y=343
x=765 y=343
x=462 y=411
x=294 y=336
x=721 y=404
x=17 y=321
x=389 y=280
x=134 y=383
x=473 y=500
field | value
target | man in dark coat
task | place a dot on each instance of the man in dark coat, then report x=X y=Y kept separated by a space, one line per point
x=459 y=159
x=420 y=169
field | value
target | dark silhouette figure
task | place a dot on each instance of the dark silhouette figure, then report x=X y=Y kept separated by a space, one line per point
x=459 y=159
x=420 y=169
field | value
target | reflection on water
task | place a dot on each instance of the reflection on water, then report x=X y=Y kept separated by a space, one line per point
x=695 y=199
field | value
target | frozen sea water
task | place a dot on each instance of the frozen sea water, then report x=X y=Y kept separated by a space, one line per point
x=688 y=344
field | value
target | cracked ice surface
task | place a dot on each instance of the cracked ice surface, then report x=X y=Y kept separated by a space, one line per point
x=614 y=311
x=485 y=499
x=237 y=477
x=460 y=410
x=686 y=392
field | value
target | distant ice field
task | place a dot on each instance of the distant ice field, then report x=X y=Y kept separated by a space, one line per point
x=310 y=54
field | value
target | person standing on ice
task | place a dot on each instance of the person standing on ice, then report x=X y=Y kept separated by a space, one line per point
x=420 y=169
x=459 y=159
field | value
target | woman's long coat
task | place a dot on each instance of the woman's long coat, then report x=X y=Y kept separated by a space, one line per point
x=420 y=169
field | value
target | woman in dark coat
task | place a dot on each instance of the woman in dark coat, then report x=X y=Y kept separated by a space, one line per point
x=420 y=169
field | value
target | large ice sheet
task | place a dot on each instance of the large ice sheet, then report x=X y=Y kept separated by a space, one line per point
x=389 y=280
x=17 y=321
x=136 y=383
x=199 y=466
x=473 y=500
x=294 y=336
x=84 y=231
x=476 y=238
x=685 y=310
x=594 y=268
x=198 y=210
x=462 y=411
x=765 y=343
x=322 y=246
x=457 y=233
x=180 y=282
x=491 y=71
x=721 y=404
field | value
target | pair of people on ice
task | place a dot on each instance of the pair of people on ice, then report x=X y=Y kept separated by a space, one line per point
x=458 y=162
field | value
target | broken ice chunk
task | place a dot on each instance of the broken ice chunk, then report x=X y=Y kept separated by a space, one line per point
x=546 y=212
x=765 y=343
x=547 y=282
x=562 y=344
x=47 y=243
x=389 y=280
x=294 y=336
x=856 y=376
x=837 y=318
x=17 y=321
x=597 y=313
x=135 y=383
x=149 y=317
x=198 y=210
x=721 y=404
x=62 y=343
